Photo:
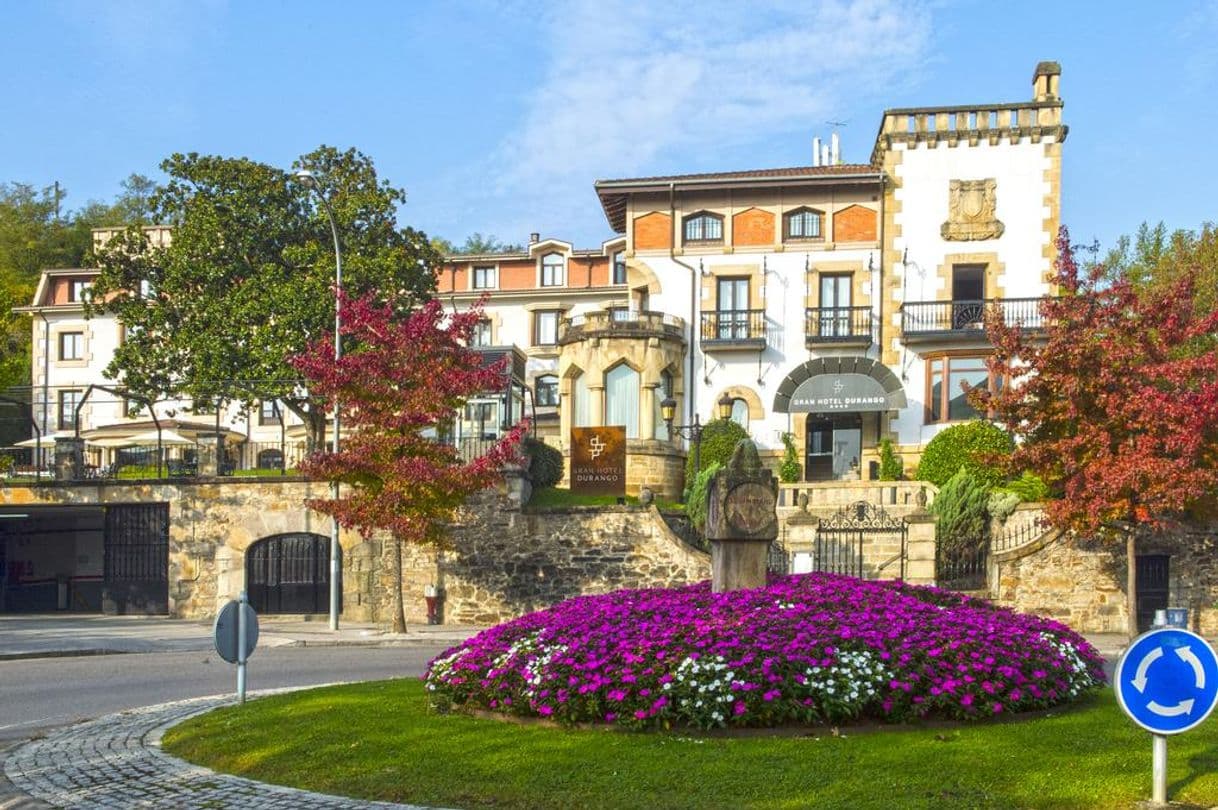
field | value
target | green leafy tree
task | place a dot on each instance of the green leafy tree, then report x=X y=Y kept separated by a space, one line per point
x=248 y=279
x=477 y=244
x=1154 y=259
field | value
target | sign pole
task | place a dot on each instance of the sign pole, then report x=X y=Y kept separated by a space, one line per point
x=1158 y=768
x=242 y=630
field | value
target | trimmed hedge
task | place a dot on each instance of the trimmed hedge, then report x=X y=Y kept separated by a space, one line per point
x=719 y=439
x=545 y=462
x=966 y=446
x=789 y=470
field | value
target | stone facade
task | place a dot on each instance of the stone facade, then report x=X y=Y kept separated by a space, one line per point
x=503 y=563
x=1082 y=581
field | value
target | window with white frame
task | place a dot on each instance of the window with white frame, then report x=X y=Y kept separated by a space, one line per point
x=481 y=335
x=78 y=289
x=619 y=268
x=484 y=278
x=552 y=266
x=269 y=413
x=71 y=345
x=545 y=327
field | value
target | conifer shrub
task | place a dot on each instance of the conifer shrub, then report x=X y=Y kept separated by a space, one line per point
x=545 y=462
x=695 y=504
x=961 y=511
x=789 y=470
x=891 y=466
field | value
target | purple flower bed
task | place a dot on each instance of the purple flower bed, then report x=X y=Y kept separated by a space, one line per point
x=810 y=648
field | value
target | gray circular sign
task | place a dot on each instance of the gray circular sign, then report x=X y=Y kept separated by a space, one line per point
x=226 y=631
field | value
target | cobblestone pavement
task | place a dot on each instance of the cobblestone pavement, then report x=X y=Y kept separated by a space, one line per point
x=117 y=762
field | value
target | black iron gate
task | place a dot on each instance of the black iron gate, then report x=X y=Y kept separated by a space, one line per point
x=289 y=573
x=962 y=565
x=136 y=569
x=843 y=541
x=1152 y=576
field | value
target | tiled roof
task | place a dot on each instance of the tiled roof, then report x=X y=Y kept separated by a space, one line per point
x=613 y=192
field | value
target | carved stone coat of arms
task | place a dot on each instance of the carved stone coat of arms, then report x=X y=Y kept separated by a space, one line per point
x=971 y=211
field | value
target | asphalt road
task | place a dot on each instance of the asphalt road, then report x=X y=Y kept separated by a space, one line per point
x=41 y=693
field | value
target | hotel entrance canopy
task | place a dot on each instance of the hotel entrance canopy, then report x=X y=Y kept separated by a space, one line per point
x=849 y=383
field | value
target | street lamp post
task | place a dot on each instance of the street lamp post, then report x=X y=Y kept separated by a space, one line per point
x=309 y=181
x=668 y=410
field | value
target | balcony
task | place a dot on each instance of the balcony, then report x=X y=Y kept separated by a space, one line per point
x=838 y=326
x=728 y=330
x=927 y=321
x=621 y=323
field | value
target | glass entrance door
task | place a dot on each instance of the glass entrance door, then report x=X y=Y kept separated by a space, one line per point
x=834 y=446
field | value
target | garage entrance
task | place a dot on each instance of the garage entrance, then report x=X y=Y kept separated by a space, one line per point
x=289 y=573
x=85 y=559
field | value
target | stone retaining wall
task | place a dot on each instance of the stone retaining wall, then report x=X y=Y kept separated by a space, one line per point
x=1082 y=581
x=504 y=563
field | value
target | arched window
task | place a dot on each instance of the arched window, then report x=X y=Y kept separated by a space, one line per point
x=581 y=402
x=622 y=399
x=802 y=223
x=740 y=412
x=552 y=265
x=704 y=227
x=547 y=390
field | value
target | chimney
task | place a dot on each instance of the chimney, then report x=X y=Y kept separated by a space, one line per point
x=1045 y=82
x=824 y=155
x=816 y=151
x=835 y=150
x=534 y=238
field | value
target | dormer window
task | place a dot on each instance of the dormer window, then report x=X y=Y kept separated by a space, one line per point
x=78 y=290
x=552 y=267
x=803 y=224
x=703 y=228
x=484 y=278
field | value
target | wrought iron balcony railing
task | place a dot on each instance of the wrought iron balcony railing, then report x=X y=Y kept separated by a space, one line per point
x=838 y=325
x=734 y=329
x=922 y=320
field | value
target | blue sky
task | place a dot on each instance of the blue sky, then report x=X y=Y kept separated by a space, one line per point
x=498 y=117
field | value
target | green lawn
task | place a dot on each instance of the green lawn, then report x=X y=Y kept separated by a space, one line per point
x=379 y=741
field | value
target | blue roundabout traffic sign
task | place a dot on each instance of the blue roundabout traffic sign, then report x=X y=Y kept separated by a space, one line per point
x=1167 y=681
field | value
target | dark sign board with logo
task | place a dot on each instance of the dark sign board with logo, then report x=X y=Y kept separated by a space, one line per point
x=598 y=460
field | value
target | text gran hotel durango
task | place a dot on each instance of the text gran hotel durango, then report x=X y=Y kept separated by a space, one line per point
x=841 y=302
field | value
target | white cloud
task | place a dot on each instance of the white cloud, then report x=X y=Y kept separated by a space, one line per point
x=647 y=87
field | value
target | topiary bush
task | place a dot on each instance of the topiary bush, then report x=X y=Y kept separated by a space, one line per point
x=695 y=503
x=545 y=462
x=719 y=439
x=961 y=512
x=807 y=648
x=891 y=467
x=967 y=446
x=789 y=470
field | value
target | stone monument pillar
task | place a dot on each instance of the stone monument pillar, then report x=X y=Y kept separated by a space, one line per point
x=210 y=451
x=741 y=520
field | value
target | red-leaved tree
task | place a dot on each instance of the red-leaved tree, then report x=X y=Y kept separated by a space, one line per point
x=399 y=386
x=1115 y=403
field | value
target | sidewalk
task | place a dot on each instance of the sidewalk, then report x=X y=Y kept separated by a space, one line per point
x=54 y=635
